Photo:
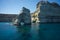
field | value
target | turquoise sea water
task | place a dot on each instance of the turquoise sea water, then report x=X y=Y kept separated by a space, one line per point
x=36 y=31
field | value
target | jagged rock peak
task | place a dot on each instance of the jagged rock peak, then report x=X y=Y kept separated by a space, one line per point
x=42 y=2
x=25 y=9
x=55 y=4
x=46 y=2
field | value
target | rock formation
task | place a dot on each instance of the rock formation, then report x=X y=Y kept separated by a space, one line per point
x=47 y=12
x=24 y=16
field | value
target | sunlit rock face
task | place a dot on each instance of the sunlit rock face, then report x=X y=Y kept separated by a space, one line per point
x=34 y=16
x=24 y=16
x=48 y=12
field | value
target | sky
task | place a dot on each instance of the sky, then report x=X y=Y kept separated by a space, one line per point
x=15 y=6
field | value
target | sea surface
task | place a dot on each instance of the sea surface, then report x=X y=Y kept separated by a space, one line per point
x=35 y=31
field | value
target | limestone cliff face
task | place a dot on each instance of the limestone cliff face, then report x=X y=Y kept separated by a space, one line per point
x=48 y=12
x=24 y=16
x=45 y=12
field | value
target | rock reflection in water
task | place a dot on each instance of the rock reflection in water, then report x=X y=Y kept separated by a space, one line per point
x=35 y=31
x=38 y=31
x=50 y=31
x=29 y=32
x=24 y=32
